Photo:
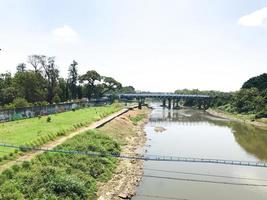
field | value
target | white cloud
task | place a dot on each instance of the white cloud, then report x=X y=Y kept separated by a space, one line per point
x=65 y=34
x=256 y=18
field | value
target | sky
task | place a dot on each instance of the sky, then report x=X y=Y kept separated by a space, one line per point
x=153 y=45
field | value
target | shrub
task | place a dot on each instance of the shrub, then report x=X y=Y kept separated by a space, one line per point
x=9 y=191
x=48 y=119
x=26 y=164
x=20 y=102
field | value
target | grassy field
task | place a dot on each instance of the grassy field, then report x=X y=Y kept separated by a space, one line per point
x=62 y=176
x=36 y=132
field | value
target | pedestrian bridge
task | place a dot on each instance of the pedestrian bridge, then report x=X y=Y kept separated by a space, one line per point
x=172 y=98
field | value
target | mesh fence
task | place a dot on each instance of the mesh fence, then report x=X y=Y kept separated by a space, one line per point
x=29 y=112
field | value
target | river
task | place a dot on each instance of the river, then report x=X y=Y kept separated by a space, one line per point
x=194 y=133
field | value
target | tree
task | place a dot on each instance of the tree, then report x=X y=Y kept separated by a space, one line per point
x=110 y=84
x=21 y=67
x=126 y=89
x=90 y=79
x=259 y=82
x=30 y=86
x=7 y=91
x=248 y=101
x=8 y=95
x=5 y=80
x=37 y=62
x=72 y=79
x=63 y=93
x=52 y=75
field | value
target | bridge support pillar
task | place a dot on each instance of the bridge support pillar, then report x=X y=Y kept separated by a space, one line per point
x=164 y=103
x=140 y=104
x=169 y=103
x=173 y=103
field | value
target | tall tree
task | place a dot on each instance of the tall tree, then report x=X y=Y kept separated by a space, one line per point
x=90 y=80
x=51 y=74
x=63 y=89
x=37 y=61
x=110 y=84
x=72 y=79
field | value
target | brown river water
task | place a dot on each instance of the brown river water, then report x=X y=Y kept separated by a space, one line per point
x=194 y=133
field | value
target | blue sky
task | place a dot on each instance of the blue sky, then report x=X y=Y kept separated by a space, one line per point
x=156 y=45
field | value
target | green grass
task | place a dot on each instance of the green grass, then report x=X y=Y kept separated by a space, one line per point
x=242 y=117
x=137 y=118
x=36 y=132
x=62 y=176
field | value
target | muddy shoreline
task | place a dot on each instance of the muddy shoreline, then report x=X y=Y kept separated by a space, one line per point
x=223 y=115
x=128 y=173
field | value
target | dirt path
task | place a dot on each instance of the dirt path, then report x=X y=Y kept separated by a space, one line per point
x=129 y=172
x=28 y=156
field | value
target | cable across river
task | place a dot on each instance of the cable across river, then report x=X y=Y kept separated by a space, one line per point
x=142 y=157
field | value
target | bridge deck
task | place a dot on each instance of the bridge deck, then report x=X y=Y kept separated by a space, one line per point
x=163 y=95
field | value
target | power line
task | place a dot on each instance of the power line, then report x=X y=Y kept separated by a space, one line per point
x=202 y=174
x=98 y=154
x=205 y=181
x=144 y=157
x=160 y=197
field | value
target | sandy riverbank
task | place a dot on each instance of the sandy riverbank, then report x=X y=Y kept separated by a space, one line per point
x=230 y=116
x=125 y=179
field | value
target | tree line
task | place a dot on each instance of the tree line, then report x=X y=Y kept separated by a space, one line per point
x=39 y=83
x=251 y=99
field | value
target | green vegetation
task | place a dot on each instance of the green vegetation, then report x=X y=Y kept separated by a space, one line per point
x=62 y=176
x=37 y=131
x=40 y=83
x=250 y=102
x=137 y=118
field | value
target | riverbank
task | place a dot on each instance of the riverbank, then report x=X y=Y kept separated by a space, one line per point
x=79 y=176
x=27 y=156
x=239 y=118
x=130 y=133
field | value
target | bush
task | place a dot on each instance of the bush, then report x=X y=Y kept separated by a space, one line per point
x=20 y=102
x=56 y=99
x=9 y=191
x=262 y=114
x=48 y=119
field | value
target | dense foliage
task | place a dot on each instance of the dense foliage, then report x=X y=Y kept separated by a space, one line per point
x=62 y=176
x=259 y=82
x=251 y=99
x=41 y=82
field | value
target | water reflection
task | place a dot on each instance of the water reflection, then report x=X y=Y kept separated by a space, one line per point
x=251 y=138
